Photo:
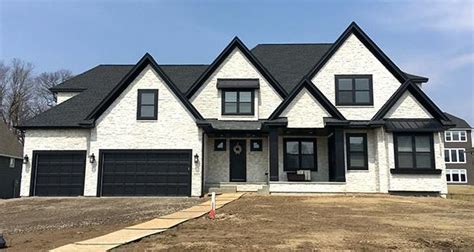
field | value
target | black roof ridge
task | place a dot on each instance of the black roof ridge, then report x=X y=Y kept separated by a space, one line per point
x=297 y=43
x=183 y=64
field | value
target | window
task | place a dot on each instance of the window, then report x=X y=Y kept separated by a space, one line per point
x=455 y=136
x=12 y=163
x=456 y=175
x=256 y=144
x=414 y=151
x=300 y=154
x=147 y=108
x=455 y=155
x=237 y=102
x=354 y=90
x=356 y=147
x=219 y=145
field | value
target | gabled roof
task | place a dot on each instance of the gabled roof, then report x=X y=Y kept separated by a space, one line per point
x=145 y=61
x=457 y=121
x=9 y=144
x=376 y=51
x=314 y=91
x=235 y=43
x=409 y=86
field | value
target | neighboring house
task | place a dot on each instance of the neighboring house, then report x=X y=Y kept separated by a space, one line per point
x=338 y=117
x=11 y=152
x=457 y=152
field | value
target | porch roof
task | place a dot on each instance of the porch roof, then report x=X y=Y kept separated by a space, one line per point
x=413 y=125
x=231 y=125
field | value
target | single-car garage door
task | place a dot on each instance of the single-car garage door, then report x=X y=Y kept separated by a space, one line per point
x=145 y=173
x=58 y=173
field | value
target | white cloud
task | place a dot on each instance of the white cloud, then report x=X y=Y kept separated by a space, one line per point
x=446 y=16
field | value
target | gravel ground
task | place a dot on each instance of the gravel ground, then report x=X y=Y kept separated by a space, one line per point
x=32 y=224
x=361 y=222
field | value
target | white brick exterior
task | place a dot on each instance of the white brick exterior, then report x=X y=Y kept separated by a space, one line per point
x=64 y=96
x=354 y=58
x=408 y=107
x=298 y=114
x=45 y=140
x=207 y=99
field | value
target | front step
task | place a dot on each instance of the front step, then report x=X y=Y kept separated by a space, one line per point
x=264 y=190
x=222 y=189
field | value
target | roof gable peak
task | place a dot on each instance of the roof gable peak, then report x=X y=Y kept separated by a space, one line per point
x=235 y=43
x=315 y=92
x=354 y=29
x=145 y=61
x=418 y=94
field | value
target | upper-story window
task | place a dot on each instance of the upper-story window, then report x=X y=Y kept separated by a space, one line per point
x=354 y=90
x=147 y=106
x=237 y=102
x=455 y=136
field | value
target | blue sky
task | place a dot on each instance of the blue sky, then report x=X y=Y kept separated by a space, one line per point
x=429 y=38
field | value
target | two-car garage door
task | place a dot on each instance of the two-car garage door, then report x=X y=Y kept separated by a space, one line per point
x=145 y=173
x=121 y=173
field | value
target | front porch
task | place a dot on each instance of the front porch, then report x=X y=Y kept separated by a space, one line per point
x=261 y=159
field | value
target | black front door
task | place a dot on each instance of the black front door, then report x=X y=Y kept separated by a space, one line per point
x=238 y=161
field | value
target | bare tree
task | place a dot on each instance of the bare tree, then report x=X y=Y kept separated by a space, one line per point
x=4 y=72
x=19 y=92
x=44 y=99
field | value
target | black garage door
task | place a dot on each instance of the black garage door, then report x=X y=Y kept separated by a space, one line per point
x=145 y=173
x=58 y=173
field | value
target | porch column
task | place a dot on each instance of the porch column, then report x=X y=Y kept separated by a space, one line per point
x=337 y=169
x=273 y=144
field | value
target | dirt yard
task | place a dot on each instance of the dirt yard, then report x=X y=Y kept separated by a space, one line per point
x=324 y=222
x=34 y=224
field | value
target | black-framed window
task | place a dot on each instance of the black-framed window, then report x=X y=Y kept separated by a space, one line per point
x=356 y=148
x=414 y=151
x=256 y=145
x=300 y=154
x=147 y=105
x=354 y=90
x=238 y=102
x=220 y=144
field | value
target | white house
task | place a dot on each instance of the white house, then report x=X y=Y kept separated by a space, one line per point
x=338 y=117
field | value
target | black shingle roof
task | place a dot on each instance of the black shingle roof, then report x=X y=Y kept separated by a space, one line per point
x=459 y=122
x=287 y=63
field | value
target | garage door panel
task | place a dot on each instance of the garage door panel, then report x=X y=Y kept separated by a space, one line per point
x=59 y=173
x=146 y=173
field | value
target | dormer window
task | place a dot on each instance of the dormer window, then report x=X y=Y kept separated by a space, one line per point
x=354 y=90
x=147 y=108
x=237 y=102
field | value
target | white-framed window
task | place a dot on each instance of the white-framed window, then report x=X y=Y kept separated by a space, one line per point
x=455 y=136
x=12 y=163
x=455 y=155
x=456 y=175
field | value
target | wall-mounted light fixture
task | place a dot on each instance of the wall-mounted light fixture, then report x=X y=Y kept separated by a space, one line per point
x=196 y=158
x=92 y=158
x=26 y=159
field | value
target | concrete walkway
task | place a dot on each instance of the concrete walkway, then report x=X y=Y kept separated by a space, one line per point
x=155 y=226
